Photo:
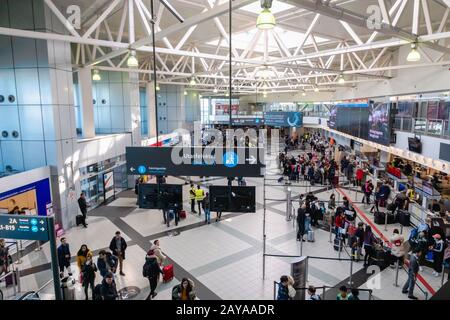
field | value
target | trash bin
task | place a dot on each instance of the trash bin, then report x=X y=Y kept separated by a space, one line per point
x=68 y=288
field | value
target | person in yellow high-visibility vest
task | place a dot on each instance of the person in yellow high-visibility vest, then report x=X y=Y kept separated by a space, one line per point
x=199 y=196
x=192 y=197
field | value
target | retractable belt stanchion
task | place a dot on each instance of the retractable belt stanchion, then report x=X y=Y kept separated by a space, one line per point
x=330 y=231
x=19 y=254
x=350 y=282
x=397 y=267
x=386 y=220
x=340 y=246
x=443 y=274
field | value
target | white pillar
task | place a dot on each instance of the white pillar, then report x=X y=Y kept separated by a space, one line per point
x=151 y=109
x=87 y=107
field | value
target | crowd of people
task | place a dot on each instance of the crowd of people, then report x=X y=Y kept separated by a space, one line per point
x=425 y=242
x=109 y=262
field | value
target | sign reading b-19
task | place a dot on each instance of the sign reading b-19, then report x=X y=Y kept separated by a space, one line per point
x=196 y=161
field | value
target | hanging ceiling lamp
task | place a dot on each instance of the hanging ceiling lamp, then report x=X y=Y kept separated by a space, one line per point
x=303 y=93
x=132 y=60
x=215 y=90
x=96 y=76
x=341 y=79
x=266 y=19
x=157 y=88
x=316 y=88
x=192 y=82
x=414 y=55
x=185 y=92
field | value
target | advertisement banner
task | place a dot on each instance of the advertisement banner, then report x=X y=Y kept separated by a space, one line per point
x=379 y=130
x=31 y=199
x=222 y=108
x=108 y=182
x=283 y=119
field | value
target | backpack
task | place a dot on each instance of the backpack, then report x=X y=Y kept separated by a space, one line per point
x=413 y=234
x=97 y=294
x=145 y=270
x=315 y=297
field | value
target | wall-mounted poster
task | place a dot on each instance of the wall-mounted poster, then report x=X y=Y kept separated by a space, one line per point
x=108 y=181
x=31 y=199
x=222 y=108
x=333 y=116
x=379 y=130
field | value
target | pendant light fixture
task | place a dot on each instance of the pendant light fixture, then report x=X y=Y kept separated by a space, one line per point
x=341 y=79
x=192 y=82
x=316 y=88
x=266 y=19
x=215 y=90
x=185 y=92
x=158 y=88
x=414 y=55
x=132 y=60
x=96 y=75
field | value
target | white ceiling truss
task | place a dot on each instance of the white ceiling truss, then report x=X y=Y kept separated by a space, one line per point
x=293 y=56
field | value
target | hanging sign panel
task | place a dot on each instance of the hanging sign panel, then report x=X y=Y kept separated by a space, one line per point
x=195 y=161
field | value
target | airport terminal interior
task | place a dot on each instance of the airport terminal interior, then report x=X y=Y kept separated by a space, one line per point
x=224 y=149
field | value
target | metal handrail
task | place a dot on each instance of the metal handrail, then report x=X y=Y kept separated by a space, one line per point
x=275 y=284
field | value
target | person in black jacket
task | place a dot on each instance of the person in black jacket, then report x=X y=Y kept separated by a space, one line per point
x=83 y=207
x=301 y=217
x=151 y=271
x=64 y=257
x=118 y=247
x=89 y=269
x=109 y=290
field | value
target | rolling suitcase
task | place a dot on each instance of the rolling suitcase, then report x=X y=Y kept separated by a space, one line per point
x=380 y=258
x=310 y=236
x=404 y=218
x=337 y=244
x=168 y=273
x=335 y=180
x=182 y=214
x=380 y=218
x=79 y=219
x=9 y=280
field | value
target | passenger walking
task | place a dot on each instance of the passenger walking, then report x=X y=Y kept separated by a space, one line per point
x=81 y=256
x=312 y=294
x=301 y=219
x=118 y=246
x=199 y=196
x=192 y=198
x=184 y=290
x=83 y=208
x=108 y=288
x=64 y=258
x=88 y=270
x=413 y=270
x=155 y=250
x=369 y=242
x=354 y=295
x=343 y=293
x=397 y=247
x=368 y=188
x=206 y=209
x=283 y=291
x=438 y=254
x=4 y=257
x=106 y=263
x=151 y=271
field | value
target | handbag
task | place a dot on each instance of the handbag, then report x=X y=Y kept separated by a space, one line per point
x=292 y=292
x=81 y=278
x=429 y=256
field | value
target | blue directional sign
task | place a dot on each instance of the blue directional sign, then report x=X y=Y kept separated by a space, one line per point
x=24 y=227
x=230 y=159
x=283 y=119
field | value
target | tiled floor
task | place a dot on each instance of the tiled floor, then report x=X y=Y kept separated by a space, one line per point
x=224 y=258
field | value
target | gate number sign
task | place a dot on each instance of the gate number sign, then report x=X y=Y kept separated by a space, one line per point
x=23 y=227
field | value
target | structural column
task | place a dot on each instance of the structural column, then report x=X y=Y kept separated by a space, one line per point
x=151 y=109
x=86 y=102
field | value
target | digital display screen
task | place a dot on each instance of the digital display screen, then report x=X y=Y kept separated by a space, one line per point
x=164 y=196
x=379 y=119
x=352 y=119
x=232 y=199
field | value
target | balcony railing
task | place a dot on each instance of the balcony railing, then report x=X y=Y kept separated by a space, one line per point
x=432 y=127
